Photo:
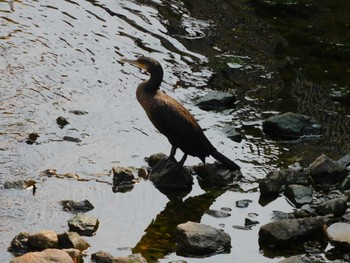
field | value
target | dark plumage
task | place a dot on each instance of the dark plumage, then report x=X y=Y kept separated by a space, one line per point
x=172 y=119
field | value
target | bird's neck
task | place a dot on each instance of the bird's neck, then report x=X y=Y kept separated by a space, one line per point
x=153 y=84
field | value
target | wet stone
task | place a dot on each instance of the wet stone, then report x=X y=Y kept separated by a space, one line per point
x=339 y=235
x=75 y=254
x=291 y=232
x=83 y=224
x=123 y=179
x=156 y=158
x=199 y=239
x=299 y=194
x=79 y=112
x=216 y=175
x=291 y=126
x=232 y=133
x=133 y=258
x=337 y=207
x=217 y=213
x=345 y=161
x=76 y=206
x=248 y=223
x=300 y=176
x=43 y=239
x=272 y=184
x=61 y=122
x=19 y=244
x=72 y=240
x=243 y=203
x=293 y=259
x=216 y=101
x=47 y=255
x=19 y=184
x=326 y=171
x=71 y=139
x=32 y=137
x=102 y=257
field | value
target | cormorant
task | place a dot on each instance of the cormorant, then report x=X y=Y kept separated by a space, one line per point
x=172 y=119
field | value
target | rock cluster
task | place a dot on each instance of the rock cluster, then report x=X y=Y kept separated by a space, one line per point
x=320 y=193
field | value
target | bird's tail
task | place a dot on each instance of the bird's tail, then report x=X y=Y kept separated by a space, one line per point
x=224 y=160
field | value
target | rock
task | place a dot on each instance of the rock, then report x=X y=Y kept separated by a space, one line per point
x=61 y=121
x=102 y=257
x=337 y=207
x=345 y=184
x=83 y=224
x=72 y=240
x=19 y=184
x=339 y=235
x=299 y=194
x=156 y=158
x=243 y=203
x=248 y=223
x=326 y=171
x=291 y=126
x=216 y=101
x=123 y=179
x=19 y=244
x=32 y=137
x=217 y=213
x=290 y=233
x=231 y=132
x=216 y=175
x=75 y=254
x=299 y=176
x=272 y=184
x=133 y=258
x=71 y=139
x=79 y=112
x=199 y=239
x=74 y=206
x=45 y=256
x=143 y=172
x=43 y=239
x=345 y=161
x=293 y=259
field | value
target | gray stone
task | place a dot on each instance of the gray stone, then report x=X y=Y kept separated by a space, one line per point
x=123 y=179
x=272 y=184
x=326 y=171
x=216 y=101
x=299 y=194
x=73 y=240
x=291 y=232
x=339 y=235
x=216 y=175
x=217 y=213
x=83 y=224
x=19 y=184
x=345 y=161
x=292 y=259
x=46 y=256
x=291 y=126
x=102 y=257
x=133 y=258
x=243 y=203
x=199 y=239
x=293 y=176
x=337 y=207
x=156 y=158
x=43 y=239
x=76 y=206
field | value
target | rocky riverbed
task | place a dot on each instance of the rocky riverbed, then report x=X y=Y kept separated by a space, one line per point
x=267 y=80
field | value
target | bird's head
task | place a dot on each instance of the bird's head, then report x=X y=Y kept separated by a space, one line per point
x=149 y=64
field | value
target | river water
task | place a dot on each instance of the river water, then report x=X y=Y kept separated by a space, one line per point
x=62 y=58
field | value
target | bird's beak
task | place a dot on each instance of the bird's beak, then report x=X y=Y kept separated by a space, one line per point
x=133 y=62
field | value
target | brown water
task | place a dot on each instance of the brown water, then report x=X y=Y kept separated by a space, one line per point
x=57 y=57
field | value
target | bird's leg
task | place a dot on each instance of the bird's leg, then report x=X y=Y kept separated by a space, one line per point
x=177 y=166
x=167 y=161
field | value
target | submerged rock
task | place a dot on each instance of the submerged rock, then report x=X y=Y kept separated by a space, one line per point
x=299 y=194
x=243 y=203
x=339 y=235
x=75 y=206
x=43 y=239
x=46 y=256
x=337 y=207
x=199 y=239
x=19 y=184
x=216 y=174
x=217 y=213
x=291 y=232
x=19 y=244
x=216 y=101
x=326 y=171
x=83 y=224
x=291 y=126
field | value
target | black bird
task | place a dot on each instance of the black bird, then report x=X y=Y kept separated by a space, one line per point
x=172 y=119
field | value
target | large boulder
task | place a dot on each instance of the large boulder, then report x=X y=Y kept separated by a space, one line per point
x=199 y=239
x=339 y=235
x=45 y=256
x=291 y=232
x=291 y=126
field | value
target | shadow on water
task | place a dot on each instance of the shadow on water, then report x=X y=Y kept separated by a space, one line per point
x=60 y=59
